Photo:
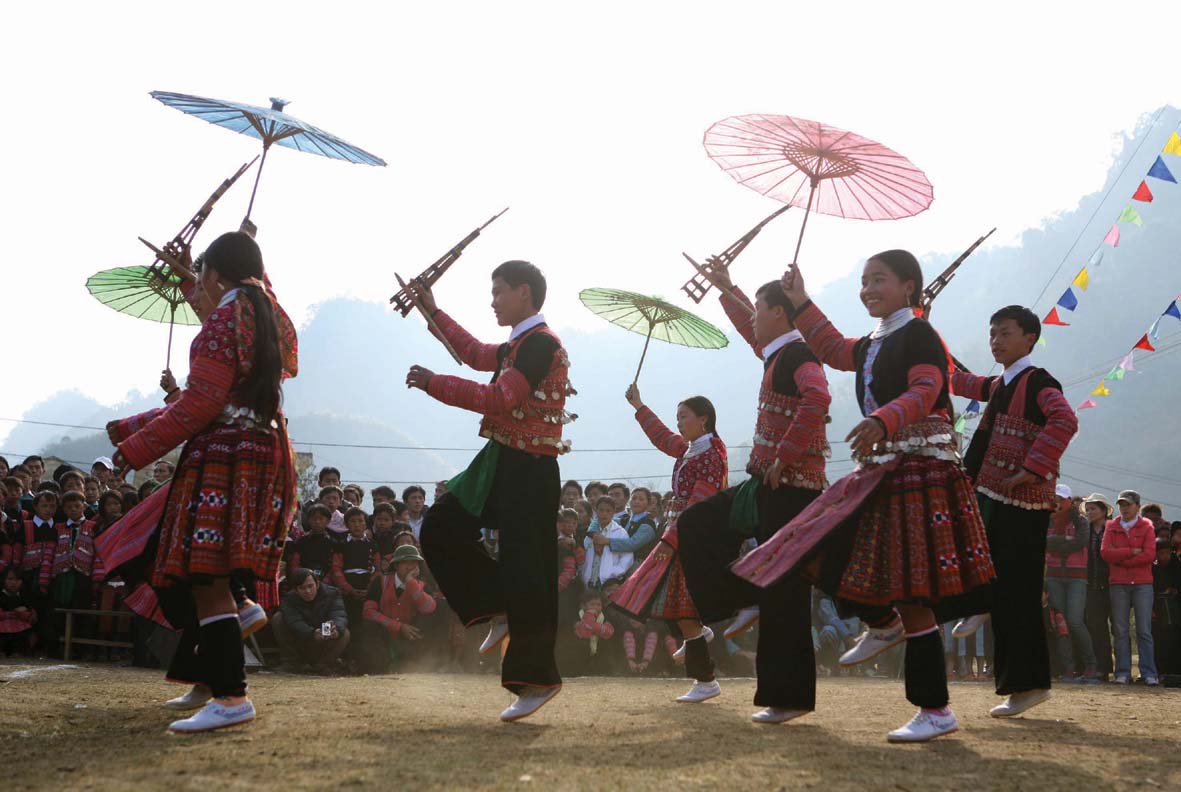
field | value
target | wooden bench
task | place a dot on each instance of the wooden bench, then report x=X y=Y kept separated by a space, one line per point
x=69 y=640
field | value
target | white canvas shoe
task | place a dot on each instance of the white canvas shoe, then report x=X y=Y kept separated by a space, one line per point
x=745 y=620
x=702 y=691
x=214 y=716
x=530 y=701
x=924 y=726
x=1018 y=703
x=775 y=715
x=195 y=699
x=497 y=633
x=872 y=643
x=966 y=628
x=709 y=636
x=251 y=619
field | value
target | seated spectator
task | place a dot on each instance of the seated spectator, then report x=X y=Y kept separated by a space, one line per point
x=311 y=626
x=594 y=628
x=571 y=494
x=1166 y=615
x=162 y=471
x=382 y=494
x=414 y=497
x=602 y=562
x=391 y=605
x=18 y=615
x=353 y=563
x=1129 y=548
x=314 y=549
x=332 y=496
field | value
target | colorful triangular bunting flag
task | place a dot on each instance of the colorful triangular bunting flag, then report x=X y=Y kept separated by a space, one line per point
x=959 y=425
x=1142 y=192
x=1101 y=389
x=1161 y=171
x=1096 y=258
x=1174 y=144
x=1130 y=215
x=1052 y=318
x=1129 y=361
x=1082 y=280
x=1172 y=310
x=1087 y=405
x=1115 y=375
x=1068 y=300
x=1112 y=237
x=1143 y=343
x=1041 y=341
x=973 y=407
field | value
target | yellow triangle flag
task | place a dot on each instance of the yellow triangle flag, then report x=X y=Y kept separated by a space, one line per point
x=1082 y=280
x=1174 y=144
x=1102 y=390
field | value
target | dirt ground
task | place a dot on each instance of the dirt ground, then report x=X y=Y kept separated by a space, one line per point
x=102 y=727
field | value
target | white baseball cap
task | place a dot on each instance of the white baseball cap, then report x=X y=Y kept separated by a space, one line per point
x=1063 y=491
x=105 y=462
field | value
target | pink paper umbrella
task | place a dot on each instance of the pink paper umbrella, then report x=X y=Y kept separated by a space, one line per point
x=844 y=174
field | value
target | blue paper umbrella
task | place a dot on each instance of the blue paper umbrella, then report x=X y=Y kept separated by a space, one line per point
x=270 y=125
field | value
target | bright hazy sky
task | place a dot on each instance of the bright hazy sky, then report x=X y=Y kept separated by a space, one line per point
x=586 y=119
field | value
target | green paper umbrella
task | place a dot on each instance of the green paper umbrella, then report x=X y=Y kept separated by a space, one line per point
x=653 y=318
x=145 y=293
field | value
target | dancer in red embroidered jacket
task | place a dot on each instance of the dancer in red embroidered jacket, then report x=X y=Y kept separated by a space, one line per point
x=1013 y=460
x=657 y=590
x=902 y=531
x=233 y=496
x=786 y=469
x=512 y=486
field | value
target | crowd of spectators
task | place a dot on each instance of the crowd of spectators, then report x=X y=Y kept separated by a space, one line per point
x=354 y=594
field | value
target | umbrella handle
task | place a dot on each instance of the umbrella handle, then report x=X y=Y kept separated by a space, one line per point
x=265 y=147
x=644 y=354
x=171 y=325
x=811 y=194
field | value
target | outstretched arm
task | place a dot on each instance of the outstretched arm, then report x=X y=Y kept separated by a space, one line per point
x=740 y=312
x=477 y=355
x=971 y=386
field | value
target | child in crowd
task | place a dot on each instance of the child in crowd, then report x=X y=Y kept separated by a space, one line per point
x=14 y=488
x=586 y=513
x=594 y=491
x=354 y=494
x=385 y=529
x=332 y=496
x=73 y=566
x=640 y=641
x=602 y=563
x=571 y=494
x=594 y=628
x=314 y=550
x=18 y=615
x=382 y=494
x=92 y=488
x=392 y=602
x=353 y=563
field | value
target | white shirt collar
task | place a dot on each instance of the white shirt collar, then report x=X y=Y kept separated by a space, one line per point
x=1128 y=524
x=895 y=321
x=39 y=522
x=398 y=582
x=228 y=297
x=700 y=445
x=1018 y=366
x=524 y=325
x=781 y=342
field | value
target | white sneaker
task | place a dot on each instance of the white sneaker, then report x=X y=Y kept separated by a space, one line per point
x=966 y=628
x=251 y=619
x=745 y=620
x=529 y=702
x=195 y=699
x=777 y=715
x=214 y=716
x=709 y=636
x=702 y=691
x=872 y=643
x=924 y=726
x=497 y=633
x=1018 y=703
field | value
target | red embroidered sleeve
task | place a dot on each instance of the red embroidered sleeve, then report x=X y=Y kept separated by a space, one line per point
x=971 y=386
x=826 y=341
x=808 y=421
x=660 y=435
x=479 y=356
x=424 y=603
x=1061 y=426
x=924 y=382
x=372 y=612
x=743 y=321
x=605 y=630
x=566 y=576
x=338 y=578
x=510 y=390
x=212 y=371
x=129 y=426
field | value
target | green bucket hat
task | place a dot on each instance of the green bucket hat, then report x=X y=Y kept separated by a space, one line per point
x=406 y=553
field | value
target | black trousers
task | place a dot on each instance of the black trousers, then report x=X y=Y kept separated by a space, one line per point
x=785 y=663
x=210 y=655
x=1098 y=618
x=1017 y=538
x=523 y=582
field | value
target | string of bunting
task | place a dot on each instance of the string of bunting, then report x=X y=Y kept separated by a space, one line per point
x=1069 y=301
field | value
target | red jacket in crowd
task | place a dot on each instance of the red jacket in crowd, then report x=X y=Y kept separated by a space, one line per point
x=385 y=607
x=1128 y=568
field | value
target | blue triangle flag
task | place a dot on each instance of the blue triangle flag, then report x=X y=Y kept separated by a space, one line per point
x=1161 y=171
x=1068 y=300
x=1172 y=310
x=973 y=407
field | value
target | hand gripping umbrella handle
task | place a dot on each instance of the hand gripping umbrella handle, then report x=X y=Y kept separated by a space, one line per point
x=701 y=271
x=430 y=320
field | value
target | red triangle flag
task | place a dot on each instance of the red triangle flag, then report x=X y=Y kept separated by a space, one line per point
x=1144 y=343
x=1052 y=319
x=1143 y=193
